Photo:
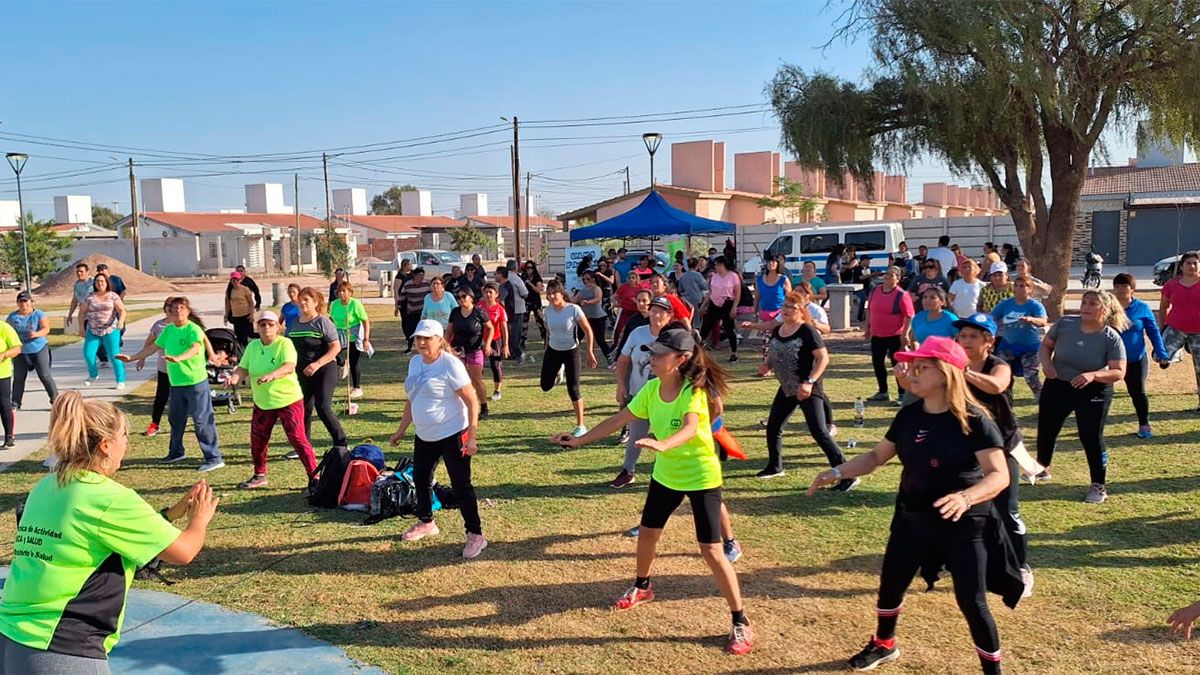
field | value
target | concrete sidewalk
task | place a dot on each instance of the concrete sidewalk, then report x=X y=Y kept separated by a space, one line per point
x=165 y=634
x=70 y=371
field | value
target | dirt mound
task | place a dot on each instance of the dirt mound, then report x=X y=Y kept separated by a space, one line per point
x=63 y=282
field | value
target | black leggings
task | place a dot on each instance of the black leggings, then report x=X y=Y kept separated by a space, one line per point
x=599 y=330
x=408 y=322
x=961 y=545
x=661 y=502
x=1010 y=510
x=6 y=407
x=1090 y=405
x=723 y=315
x=318 y=394
x=882 y=347
x=426 y=455
x=40 y=362
x=243 y=328
x=535 y=312
x=355 y=372
x=813 y=408
x=568 y=360
x=496 y=361
x=162 y=392
x=1136 y=373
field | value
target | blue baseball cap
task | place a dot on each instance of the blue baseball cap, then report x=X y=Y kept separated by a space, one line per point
x=978 y=320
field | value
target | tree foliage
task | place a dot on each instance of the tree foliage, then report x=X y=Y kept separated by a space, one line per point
x=470 y=239
x=105 y=217
x=48 y=252
x=1019 y=92
x=387 y=203
x=332 y=251
x=789 y=195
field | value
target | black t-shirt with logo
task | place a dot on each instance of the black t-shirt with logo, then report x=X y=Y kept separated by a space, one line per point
x=938 y=458
x=467 y=330
x=1000 y=406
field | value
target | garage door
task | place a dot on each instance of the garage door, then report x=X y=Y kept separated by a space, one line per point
x=1154 y=234
x=1106 y=226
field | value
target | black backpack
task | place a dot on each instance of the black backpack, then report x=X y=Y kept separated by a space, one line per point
x=326 y=482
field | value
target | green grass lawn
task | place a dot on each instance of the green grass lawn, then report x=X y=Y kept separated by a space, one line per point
x=538 y=598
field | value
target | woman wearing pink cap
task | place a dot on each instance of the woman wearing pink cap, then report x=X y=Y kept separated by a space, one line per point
x=953 y=465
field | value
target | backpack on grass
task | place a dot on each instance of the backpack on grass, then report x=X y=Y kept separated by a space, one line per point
x=325 y=485
x=355 y=494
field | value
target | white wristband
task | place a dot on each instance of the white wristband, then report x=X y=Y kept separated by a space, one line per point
x=837 y=473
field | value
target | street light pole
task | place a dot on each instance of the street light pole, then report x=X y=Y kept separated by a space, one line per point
x=17 y=161
x=652 y=140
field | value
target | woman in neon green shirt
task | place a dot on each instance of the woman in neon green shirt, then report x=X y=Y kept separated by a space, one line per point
x=686 y=464
x=80 y=539
x=354 y=329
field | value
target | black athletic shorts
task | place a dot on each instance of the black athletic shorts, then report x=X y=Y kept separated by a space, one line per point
x=661 y=501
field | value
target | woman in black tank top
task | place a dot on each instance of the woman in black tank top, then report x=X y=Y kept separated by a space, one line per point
x=990 y=380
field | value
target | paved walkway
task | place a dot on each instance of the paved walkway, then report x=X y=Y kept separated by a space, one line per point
x=165 y=634
x=33 y=419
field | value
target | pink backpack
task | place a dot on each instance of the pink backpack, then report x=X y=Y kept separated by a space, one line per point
x=355 y=494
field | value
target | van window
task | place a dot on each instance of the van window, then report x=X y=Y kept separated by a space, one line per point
x=874 y=240
x=781 y=246
x=818 y=243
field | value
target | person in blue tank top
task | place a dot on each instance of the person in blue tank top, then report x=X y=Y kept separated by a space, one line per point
x=933 y=319
x=770 y=287
x=1137 y=357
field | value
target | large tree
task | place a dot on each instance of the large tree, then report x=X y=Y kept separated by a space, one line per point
x=47 y=251
x=387 y=203
x=106 y=217
x=1020 y=91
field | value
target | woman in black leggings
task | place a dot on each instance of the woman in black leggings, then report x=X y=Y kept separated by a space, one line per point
x=317 y=348
x=1142 y=327
x=725 y=291
x=798 y=357
x=953 y=465
x=889 y=315
x=562 y=348
x=1080 y=379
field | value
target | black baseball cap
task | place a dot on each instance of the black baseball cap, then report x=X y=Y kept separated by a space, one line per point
x=24 y=296
x=662 y=302
x=675 y=340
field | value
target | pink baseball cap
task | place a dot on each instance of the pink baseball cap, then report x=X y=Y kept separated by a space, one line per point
x=937 y=347
x=235 y=275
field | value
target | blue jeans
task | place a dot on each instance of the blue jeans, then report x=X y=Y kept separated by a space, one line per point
x=195 y=400
x=112 y=344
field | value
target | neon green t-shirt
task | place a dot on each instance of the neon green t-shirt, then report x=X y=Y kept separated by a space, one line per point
x=175 y=340
x=346 y=317
x=693 y=465
x=8 y=340
x=261 y=359
x=77 y=547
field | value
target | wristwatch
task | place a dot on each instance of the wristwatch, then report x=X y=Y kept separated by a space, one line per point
x=809 y=380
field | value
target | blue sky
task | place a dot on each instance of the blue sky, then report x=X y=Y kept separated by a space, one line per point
x=246 y=78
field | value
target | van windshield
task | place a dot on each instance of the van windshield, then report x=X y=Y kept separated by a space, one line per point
x=874 y=240
x=781 y=246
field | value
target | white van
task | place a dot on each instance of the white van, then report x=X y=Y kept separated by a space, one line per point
x=814 y=242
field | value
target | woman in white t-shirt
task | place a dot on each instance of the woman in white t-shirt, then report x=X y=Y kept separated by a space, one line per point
x=964 y=292
x=443 y=406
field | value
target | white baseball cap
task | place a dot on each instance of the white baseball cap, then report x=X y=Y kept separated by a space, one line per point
x=997 y=267
x=268 y=315
x=429 y=328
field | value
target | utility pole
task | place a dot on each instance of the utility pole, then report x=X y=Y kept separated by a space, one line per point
x=516 y=179
x=296 y=209
x=627 y=180
x=134 y=219
x=325 y=169
x=528 y=177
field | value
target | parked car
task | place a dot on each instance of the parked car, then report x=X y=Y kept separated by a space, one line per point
x=814 y=242
x=9 y=281
x=433 y=261
x=1166 y=269
x=662 y=262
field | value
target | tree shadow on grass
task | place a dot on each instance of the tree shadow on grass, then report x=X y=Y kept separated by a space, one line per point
x=1102 y=544
x=1145 y=635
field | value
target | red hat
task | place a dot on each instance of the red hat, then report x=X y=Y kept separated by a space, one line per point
x=235 y=275
x=937 y=347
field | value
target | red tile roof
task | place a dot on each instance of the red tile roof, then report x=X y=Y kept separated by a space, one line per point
x=198 y=223
x=400 y=224
x=1178 y=178
x=506 y=221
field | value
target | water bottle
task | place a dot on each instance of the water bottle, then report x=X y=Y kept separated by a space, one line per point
x=859 y=410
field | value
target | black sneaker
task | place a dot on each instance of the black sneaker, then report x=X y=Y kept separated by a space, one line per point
x=624 y=437
x=769 y=472
x=169 y=459
x=846 y=485
x=733 y=357
x=879 y=397
x=10 y=442
x=872 y=656
x=483 y=413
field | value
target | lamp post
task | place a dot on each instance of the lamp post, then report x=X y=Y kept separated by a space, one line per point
x=652 y=140
x=17 y=161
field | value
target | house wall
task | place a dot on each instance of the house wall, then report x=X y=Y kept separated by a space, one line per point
x=176 y=257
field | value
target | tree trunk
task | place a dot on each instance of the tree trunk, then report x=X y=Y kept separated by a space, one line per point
x=1049 y=245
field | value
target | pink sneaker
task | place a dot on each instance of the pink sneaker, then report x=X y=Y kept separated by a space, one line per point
x=421 y=530
x=741 y=640
x=475 y=545
x=633 y=597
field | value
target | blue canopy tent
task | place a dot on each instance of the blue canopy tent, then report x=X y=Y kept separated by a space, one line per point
x=651 y=219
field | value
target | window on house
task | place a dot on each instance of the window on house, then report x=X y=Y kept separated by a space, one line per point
x=212 y=250
x=224 y=250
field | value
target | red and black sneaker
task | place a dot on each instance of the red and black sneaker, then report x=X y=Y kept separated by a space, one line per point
x=633 y=597
x=874 y=655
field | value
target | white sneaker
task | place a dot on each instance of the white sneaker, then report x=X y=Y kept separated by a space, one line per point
x=356 y=393
x=87 y=383
x=120 y=386
x=496 y=396
x=579 y=431
x=562 y=377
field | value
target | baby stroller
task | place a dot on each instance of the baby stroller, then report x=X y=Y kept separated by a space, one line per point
x=224 y=340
